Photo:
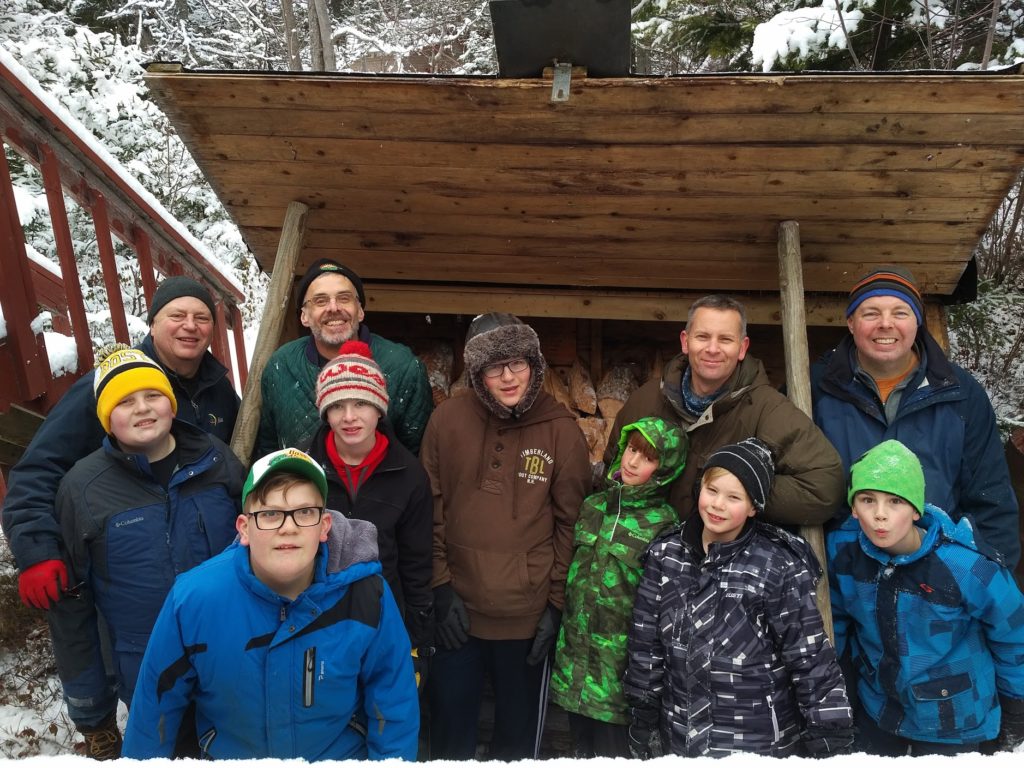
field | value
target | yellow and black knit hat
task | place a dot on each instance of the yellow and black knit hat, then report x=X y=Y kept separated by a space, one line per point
x=120 y=371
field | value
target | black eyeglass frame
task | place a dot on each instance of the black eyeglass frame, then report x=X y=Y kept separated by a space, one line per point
x=521 y=364
x=257 y=515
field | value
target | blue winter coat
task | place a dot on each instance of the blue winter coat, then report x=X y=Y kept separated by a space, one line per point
x=945 y=418
x=326 y=676
x=72 y=431
x=127 y=538
x=937 y=636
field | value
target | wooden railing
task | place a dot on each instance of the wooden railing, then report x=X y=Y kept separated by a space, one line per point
x=71 y=167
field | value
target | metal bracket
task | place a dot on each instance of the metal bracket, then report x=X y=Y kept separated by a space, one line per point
x=562 y=81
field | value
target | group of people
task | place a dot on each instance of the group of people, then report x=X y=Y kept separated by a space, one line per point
x=381 y=561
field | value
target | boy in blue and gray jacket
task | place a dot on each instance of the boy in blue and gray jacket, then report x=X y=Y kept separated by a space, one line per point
x=934 y=625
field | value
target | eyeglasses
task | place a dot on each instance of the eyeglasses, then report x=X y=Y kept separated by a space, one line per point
x=514 y=366
x=321 y=300
x=272 y=519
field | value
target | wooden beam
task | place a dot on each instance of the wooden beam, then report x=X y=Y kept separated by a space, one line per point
x=241 y=361
x=111 y=275
x=665 y=306
x=293 y=232
x=798 y=376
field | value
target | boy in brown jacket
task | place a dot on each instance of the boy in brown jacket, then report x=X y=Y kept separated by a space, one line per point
x=508 y=471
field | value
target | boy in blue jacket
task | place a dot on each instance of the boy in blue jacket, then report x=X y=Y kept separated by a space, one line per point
x=289 y=643
x=934 y=626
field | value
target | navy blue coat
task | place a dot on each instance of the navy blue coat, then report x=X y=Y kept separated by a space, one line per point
x=944 y=417
x=127 y=539
x=72 y=431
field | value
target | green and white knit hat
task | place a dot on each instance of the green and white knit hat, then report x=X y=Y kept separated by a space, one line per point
x=890 y=467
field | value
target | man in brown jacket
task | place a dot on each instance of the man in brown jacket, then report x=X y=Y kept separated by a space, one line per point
x=508 y=470
x=721 y=395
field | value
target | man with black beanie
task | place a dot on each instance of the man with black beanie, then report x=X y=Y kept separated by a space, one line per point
x=331 y=300
x=181 y=320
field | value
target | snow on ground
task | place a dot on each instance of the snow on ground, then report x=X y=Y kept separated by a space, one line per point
x=1003 y=760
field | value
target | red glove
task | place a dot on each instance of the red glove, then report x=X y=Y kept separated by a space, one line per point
x=40 y=585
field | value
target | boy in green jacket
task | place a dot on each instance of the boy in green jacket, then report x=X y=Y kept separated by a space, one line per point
x=613 y=531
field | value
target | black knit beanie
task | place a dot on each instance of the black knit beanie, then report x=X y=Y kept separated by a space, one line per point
x=175 y=288
x=888 y=281
x=751 y=461
x=328 y=267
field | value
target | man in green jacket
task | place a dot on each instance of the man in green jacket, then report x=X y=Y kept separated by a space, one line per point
x=720 y=395
x=332 y=301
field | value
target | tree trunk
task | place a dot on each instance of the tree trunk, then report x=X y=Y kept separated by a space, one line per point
x=291 y=36
x=320 y=17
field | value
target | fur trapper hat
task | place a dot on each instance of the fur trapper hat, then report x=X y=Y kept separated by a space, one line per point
x=497 y=337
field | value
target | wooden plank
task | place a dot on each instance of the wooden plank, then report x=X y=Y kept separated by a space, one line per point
x=543 y=254
x=754 y=226
x=701 y=272
x=636 y=182
x=657 y=306
x=251 y=204
x=751 y=93
x=344 y=153
x=798 y=377
x=576 y=128
x=293 y=230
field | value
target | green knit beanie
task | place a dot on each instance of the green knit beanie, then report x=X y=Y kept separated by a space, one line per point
x=890 y=467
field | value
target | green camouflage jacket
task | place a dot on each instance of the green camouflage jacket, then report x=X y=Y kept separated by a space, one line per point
x=613 y=531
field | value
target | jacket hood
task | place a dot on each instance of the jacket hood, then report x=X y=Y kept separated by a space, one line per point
x=938 y=528
x=692 y=529
x=669 y=440
x=350 y=541
x=749 y=373
x=497 y=344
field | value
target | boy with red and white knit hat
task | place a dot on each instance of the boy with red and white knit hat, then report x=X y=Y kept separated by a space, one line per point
x=372 y=476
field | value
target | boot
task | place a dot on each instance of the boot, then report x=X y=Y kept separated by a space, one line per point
x=103 y=741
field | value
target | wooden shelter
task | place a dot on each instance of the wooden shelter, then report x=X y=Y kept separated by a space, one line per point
x=600 y=208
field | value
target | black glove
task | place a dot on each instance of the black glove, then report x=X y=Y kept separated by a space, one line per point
x=644 y=734
x=825 y=742
x=452 y=627
x=544 y=639
x=1011 y=731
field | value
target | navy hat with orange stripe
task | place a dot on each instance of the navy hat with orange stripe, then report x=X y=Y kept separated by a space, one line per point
x=888 y=281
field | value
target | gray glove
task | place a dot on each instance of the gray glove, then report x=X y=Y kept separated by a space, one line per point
x=452 y=628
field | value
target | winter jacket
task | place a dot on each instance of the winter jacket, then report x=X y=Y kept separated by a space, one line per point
x=327 y=676
x=614 y=530
x=809 y=479
x=127 y=538
x=396 y=499
x=944 y=417
x=731 y=648
x=507 y=493
x=72 y=431
x=289 y=416
x=936 y=636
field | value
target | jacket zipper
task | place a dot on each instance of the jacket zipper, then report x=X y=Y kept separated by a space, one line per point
x=309 y=666
x=775 y=720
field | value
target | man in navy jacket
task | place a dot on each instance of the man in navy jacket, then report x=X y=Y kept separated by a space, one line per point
x=181 y=320
x=889 y=379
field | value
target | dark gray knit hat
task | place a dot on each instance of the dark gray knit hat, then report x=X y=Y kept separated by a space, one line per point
x=175 y=288
x=328 y=267
x=751 y=461
x=496 y=337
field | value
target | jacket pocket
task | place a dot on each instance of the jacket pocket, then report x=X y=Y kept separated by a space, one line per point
x=501 y=584
x=944 y=688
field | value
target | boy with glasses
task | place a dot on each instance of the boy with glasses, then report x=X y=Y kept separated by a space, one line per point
x=289 y=643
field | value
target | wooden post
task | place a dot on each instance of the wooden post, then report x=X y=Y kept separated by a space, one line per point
x=798 y=374
x=293 y=233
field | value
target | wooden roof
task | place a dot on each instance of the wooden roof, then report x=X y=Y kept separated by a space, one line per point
x=449 y=185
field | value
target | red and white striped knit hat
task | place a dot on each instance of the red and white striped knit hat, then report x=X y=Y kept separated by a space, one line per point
x=352 y=375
